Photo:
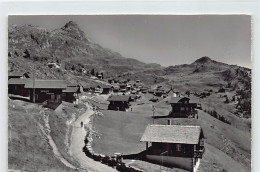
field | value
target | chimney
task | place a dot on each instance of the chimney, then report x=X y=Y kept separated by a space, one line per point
x=169 y=122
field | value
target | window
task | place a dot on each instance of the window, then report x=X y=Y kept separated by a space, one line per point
x=187 y=108
x=58 y=98
x=178 y=147
x=182 y=109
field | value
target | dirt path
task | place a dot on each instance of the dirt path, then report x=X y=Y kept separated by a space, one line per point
x=77 y=143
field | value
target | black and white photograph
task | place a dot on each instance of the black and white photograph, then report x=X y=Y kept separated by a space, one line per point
x=129 y=93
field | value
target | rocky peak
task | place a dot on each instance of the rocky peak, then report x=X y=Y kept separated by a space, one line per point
x=203 y=60
x=72 y=29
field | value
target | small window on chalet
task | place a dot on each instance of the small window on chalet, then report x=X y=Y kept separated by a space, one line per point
x=182 y=108
x=58 y=98
x=187 y=108
x=178 y=147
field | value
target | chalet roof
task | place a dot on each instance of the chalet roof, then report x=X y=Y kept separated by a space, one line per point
x=123 y=84
x=16 y=73
x=133 y=96
x=119 y=98
x=70 y=90
x=172 y=134
x=51 y=84
x=17 y=81
x=106 y=86
x=159 y=91
x=177 y=99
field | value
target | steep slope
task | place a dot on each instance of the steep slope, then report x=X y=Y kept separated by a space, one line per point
x=29 y=148
x=67 y=46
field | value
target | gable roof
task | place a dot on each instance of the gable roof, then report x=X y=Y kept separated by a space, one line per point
x=122 y=84
x=177 y=99
x=17 y=81
x=51 y=84
x=119 y=98
x=106 y=86
x=70 y=90
x=172 y=134
x=16 y=73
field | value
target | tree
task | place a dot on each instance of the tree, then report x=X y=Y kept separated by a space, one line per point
x=97 y=74
x=92 y=72
x=102 y=75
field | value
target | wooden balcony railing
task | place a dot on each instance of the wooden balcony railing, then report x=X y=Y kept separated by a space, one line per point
x=199 y=153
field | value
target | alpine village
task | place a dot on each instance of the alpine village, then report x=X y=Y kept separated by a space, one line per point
x=76 y=106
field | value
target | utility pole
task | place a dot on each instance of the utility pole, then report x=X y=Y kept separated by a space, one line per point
x=33 y=83
x=153 y=114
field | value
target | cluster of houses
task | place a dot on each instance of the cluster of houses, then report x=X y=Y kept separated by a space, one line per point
x=176 y=145
x=41 y=91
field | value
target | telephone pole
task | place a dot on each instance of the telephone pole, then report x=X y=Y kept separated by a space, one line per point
x=33 y=83
x=153 y=114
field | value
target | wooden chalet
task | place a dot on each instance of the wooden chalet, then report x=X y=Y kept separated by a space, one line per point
x=106 y=89
x=133 y=97
x=122 y=86
x=70 y=94
x=183 y=108
x=16 y=87
x=118 y=102
x=158 y=93
x=174 y=145
x=115 y=88
x=46 y=90
x=18 y=74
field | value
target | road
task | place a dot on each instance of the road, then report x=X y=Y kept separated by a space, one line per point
x=77 y=143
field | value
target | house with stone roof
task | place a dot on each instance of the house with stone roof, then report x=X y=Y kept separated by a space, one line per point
x=174 y=145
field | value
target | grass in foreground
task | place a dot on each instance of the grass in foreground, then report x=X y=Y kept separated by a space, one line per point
x=28 y=148
x=121 y=132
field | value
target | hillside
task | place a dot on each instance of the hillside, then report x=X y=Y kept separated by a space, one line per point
x=69 y=47
x=29 y=148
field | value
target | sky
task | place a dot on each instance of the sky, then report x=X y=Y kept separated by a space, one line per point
x=164 y=39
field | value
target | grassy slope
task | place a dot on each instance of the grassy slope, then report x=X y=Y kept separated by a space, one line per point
x=61 y=124
x=28 y=148
x=121 y=132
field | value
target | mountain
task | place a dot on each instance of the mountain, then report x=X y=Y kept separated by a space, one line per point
x=32 y=46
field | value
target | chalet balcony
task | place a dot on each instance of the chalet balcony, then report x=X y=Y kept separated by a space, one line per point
x=199 y=153
x=184 y=114
x=173 y=153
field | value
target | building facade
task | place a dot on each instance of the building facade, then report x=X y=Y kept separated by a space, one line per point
x=118 y=102
x=174 y=145
x=183 y=108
